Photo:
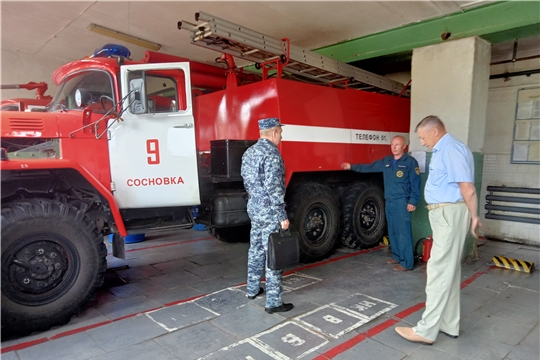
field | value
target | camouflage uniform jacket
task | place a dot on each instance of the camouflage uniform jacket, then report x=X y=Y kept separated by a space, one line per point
x=263 y=172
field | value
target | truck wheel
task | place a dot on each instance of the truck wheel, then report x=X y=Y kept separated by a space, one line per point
x=53 y=261
x=364 y=220
x=231 y=234
x=314 y=213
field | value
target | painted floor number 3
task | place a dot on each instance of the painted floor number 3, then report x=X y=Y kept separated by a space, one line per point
x=292 y=339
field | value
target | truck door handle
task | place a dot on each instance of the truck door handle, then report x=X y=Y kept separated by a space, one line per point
x=183 y=126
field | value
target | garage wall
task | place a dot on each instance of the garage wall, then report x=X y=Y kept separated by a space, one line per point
x=497 y=151
x=18 y=68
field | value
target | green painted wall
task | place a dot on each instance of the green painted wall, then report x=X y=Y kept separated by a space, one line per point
x=420 y=221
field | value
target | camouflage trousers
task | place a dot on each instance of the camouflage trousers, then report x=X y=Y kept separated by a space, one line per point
x=258 y=250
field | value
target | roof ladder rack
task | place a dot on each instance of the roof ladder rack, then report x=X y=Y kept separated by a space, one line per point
x=226 y=37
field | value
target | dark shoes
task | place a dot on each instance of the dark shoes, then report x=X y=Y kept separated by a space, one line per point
x=261 y=291
x=283 y=308
x=449 y=335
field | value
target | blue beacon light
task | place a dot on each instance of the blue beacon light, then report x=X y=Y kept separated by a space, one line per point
x=112 y=50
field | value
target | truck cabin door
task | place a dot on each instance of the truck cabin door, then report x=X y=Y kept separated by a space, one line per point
x=152 y=151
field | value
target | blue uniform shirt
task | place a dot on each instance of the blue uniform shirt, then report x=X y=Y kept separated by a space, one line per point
x=451 y=163
x=401 y=180
x=263 y=173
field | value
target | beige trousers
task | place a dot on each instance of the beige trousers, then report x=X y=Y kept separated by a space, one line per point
x=450 y=225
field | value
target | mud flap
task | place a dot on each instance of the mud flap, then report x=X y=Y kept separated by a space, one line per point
x=118 y=246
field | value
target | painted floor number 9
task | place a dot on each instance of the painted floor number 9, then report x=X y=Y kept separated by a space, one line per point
x=152 y=148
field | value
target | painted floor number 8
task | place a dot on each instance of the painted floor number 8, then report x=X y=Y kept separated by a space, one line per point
x=332 y=319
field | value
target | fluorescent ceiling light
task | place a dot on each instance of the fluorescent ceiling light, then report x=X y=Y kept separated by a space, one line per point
x=475 y=4
x=124 y=37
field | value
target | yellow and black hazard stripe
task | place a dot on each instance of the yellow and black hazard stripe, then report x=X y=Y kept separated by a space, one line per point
x=513 y=264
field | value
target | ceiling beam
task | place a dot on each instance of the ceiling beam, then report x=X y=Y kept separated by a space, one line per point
x=497 y=22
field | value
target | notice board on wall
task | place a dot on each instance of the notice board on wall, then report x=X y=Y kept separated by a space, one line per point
x=526 y=142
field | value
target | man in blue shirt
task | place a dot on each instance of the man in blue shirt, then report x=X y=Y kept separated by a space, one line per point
x=402 y=193
x=453 y=207
x=263 y=173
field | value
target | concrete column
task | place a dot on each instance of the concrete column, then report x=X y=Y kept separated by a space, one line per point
x=450 y=80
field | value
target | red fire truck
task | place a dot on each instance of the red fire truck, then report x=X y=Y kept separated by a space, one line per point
x=126 y=147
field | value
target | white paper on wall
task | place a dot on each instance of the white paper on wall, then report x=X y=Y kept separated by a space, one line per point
x=536 y=110
x=420 y=156
x=523 y=130
x=535 y=130
x=520 y=152
x=524 y=110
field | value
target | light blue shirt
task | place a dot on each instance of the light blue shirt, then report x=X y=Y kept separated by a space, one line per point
x=451 y=163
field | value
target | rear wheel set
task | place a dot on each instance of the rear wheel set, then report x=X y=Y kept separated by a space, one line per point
x=364 y=220
x=314 y=213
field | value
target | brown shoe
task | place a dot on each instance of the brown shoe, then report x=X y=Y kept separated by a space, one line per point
x=392 y=261
x=408 y=334
x=399 y=268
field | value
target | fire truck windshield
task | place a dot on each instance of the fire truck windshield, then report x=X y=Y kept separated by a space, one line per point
x=82 y=89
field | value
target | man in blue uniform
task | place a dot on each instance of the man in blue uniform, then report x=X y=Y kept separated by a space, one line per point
x=402 y=193
x=263 y=173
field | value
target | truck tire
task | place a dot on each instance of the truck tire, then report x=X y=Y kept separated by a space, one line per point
x=364 y=220
x=231 y=234
x=53 y=261
x=314 y=213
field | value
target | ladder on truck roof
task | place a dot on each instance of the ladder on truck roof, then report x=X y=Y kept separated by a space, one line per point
x=226 y=37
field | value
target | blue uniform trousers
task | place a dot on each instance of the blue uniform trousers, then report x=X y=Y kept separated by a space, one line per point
x=258 y=251
x=400 y=232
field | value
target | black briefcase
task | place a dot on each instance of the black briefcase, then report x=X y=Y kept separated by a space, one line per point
x=283 y=249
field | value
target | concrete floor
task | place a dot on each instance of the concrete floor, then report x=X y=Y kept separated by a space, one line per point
x=182 y=296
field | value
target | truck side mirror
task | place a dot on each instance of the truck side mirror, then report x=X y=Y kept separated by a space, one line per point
x=137 y=96
x=3 y=154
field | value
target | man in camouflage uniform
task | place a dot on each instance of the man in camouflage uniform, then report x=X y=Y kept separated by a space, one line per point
x=263 y=172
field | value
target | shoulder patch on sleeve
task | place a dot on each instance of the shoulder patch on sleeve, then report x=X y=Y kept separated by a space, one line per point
x=417 y=170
